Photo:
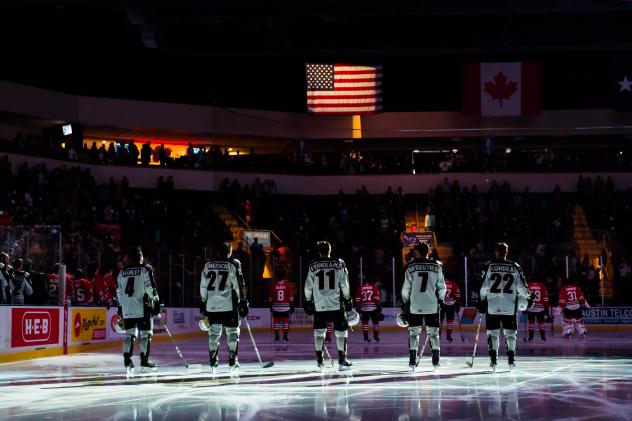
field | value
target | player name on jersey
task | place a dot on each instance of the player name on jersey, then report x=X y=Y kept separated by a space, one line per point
x=333 y=264
x=217 y=265
x=504 y=268
x=423 y=267
x=131 y=272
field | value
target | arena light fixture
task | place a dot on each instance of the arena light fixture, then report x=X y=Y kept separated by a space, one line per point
x=508 y=150
x=67 y=129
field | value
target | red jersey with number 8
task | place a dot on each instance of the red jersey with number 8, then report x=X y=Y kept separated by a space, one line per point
x=281 y=296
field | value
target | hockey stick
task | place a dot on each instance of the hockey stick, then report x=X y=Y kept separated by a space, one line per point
x=331 y=361
x=552 y=318
x=423 y=348
x=526 y=328
x=186 y=365
x=478 y=330
x=267 y=364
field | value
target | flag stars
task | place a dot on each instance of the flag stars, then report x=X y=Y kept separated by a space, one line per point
x=625 y=84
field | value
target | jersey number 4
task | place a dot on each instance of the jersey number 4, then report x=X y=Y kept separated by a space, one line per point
x=129 y=287
x=509 y=280
x=212 y=275
x=331 y=276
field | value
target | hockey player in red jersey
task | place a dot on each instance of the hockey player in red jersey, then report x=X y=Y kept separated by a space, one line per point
x=368 y=302
x=281 y=300
x=451 y=305
x=539 y=310
x=105 y=288
x=570 y=302
x=53 y=287
x=83 y=290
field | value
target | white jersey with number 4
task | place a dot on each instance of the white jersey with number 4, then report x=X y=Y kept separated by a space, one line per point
x=132 y=284
x=326 y=280
x=220 y=278
x=503 y=282
x=424 y=286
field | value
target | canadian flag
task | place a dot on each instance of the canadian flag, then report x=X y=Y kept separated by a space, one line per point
x=501 y=89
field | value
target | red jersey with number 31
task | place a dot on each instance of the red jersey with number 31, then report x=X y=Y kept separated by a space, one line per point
x=281 y=296
x=368 y=297
x=571 y=297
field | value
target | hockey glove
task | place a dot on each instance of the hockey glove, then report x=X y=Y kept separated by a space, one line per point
x=380 y=316
x=291 y=309
x=243 y=308
x=406 y=307
x=119 y=311
x=530 y=300
x=309 y=308
x=347 y=304
x=202 y=307
x=482 y=306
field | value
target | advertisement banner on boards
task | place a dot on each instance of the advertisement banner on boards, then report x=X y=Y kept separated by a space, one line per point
x=34 y=326
x=88 y=324
x=607 y=315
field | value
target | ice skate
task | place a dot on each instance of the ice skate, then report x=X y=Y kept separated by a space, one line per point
x=129 y=365
x=276 y=337
x=343 y=363
x=146 y=365
x=213 y=362
x=492 y=360
x=319 y=361
x=530 y=336
x=376 y=338
x=233 y=362
x=511 y=359
x=285 y=338
x=435 y=359
x=412 y=361
x=448 y=337
x=367 y=340
x=542 y=336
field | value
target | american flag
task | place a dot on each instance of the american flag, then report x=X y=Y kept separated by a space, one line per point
x=344 y=89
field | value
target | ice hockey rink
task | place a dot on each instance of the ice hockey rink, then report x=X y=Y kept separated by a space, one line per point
x=574 y=379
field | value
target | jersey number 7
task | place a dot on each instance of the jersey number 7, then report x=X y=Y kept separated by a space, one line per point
x=424 y=281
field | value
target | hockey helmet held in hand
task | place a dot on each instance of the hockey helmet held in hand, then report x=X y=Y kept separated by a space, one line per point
x=523 y=303
x=204 y=324
x=401 y=319
x=380 y=317
x=118 y=324
x=353 y=318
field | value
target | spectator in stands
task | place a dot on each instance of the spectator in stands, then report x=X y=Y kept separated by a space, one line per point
x=6 y=277
x=145 y=154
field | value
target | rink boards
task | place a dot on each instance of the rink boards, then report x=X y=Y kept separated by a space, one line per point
x=30 y=332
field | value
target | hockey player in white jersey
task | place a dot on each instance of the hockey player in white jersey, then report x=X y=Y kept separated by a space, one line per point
x=327 y=298
x=138 y=298
x=422 y=295
x=224 y=303
x=503 y=292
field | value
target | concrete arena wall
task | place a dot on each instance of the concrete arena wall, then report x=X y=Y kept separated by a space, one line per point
x=329 y=185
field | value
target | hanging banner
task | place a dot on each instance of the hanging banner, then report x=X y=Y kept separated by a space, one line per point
x=411 y=239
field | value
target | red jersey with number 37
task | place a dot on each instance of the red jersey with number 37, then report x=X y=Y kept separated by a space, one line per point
x=368 y=297
x=452 y=293
x=281 y=296
x=541 y=301
x=571 y=297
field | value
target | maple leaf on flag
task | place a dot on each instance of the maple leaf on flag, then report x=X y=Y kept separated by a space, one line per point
x=499 y=89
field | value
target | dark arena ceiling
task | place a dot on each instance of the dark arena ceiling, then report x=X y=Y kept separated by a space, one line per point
x=251 y=54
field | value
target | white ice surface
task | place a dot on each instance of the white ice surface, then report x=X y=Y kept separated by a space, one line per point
x=562 y=379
